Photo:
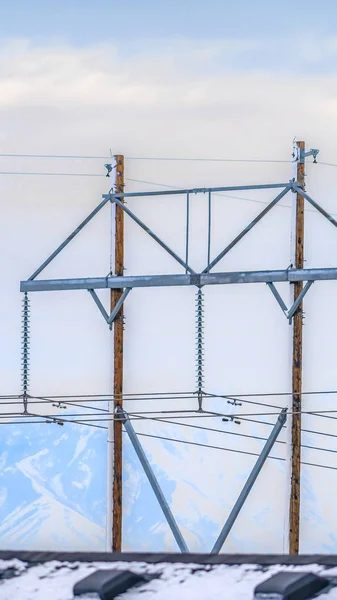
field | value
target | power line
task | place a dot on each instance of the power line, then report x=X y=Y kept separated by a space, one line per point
x=199 y=427
x=169 y=395
x=186 y=425
x=195 y=159
x=90 y=398
x=145 y=158
x=239 y=451
x=189 y=394
x=229 y=450
x=181 y=414
x=49 y=422
x=89 y=424
x=264 y=394
x=258 y=422
x=321 y=466
x=240 y=198
x=52 y=174
x=327 y=164
x=175 y=187
x=248 y=436
x=160 y=437
x=279 y=205
x=333 y=435
x=62 y=156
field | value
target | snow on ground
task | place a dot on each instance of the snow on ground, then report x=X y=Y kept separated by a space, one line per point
x=55 y=580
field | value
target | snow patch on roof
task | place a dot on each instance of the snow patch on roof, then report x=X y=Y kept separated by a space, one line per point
x=55 y=580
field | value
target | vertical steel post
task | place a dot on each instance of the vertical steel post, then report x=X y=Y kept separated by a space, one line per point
x=187 y=229
x=209 y=227
x=118 y=328
x=250 y=482
x=295 y=484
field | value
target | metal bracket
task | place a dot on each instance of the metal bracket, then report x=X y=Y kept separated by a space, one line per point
x=289 y=313
x=109 y=318
x=312 y=152
x=299 y=154
x=298 y=300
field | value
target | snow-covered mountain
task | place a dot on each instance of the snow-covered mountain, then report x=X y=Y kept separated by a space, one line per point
x=52 y=487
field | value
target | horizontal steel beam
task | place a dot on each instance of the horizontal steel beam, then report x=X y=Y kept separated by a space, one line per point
x=176 y=192
x=198 y=280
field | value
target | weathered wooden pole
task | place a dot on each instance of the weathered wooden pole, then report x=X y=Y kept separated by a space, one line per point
x=118 y=333
x=295 y=491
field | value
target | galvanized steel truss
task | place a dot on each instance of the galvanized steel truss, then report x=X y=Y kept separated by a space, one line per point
x=189 y=278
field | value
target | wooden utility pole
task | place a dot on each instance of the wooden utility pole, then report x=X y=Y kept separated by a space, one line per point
x=294 y=520
x=118 y=364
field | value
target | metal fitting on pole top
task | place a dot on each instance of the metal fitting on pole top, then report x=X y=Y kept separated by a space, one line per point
x=299 y=154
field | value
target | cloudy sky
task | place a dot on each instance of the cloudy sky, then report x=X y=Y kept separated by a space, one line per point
x=150 y=79
x=230 y=77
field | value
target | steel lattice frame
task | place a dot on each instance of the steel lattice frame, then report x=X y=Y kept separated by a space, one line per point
x=189 y=278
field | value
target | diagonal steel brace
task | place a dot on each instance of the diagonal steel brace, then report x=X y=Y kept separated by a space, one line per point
x=296 y=188
x=152 y=480
x=277 y=296
x=109 y=318
x=298 y=300
x=250 y=481
x=289 y=313
x=152 y=234
x=68 y=239
x=247 y=229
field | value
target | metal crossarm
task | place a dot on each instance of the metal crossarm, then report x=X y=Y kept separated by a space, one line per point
x=201 y=279
x=179 y=192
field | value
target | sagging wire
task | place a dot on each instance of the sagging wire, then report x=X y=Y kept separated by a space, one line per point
x=173 y=395
x=182 y=415
x=48 y=419
x=146 y=158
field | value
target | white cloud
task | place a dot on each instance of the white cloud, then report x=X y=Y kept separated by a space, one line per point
x=65 y=77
